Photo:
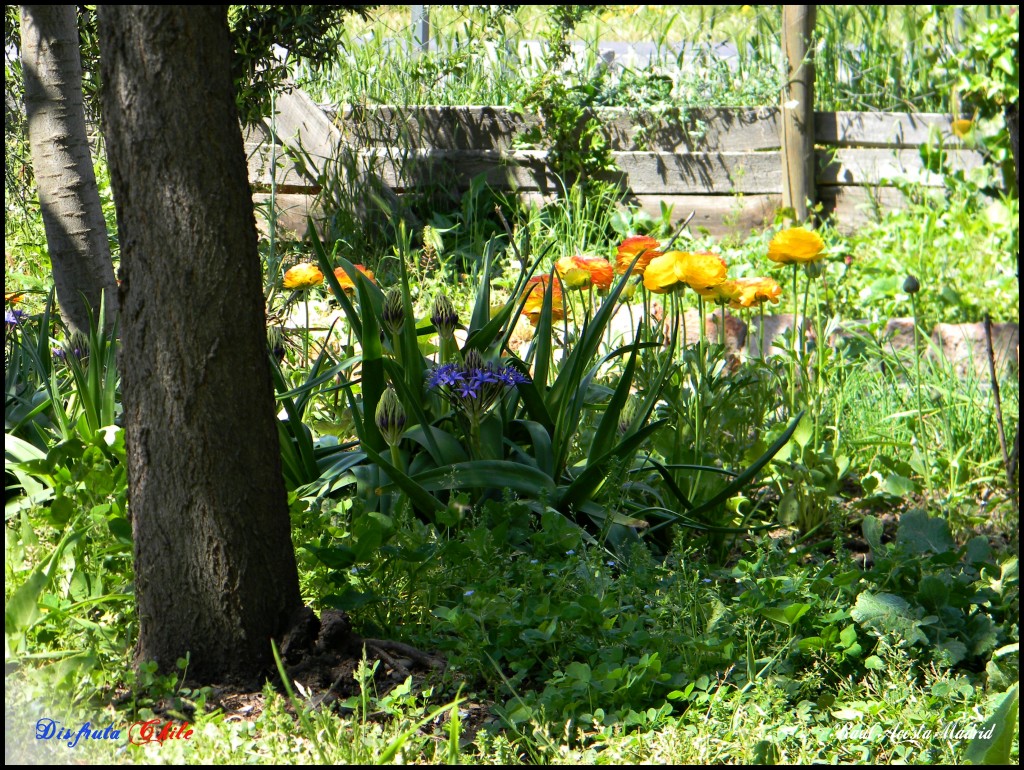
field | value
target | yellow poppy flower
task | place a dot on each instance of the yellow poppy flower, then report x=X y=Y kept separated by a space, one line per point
x=726 y=291
x=681 y=268
x=303 y=276
x=962 y=127
x=796 y=245
x=581 y=272
x=632 y=246
x=754 y=291
x=346 y=282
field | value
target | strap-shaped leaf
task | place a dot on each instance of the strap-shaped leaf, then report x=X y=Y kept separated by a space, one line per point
x=490 y=474
x=672 y=517
x=748 y=475
x=444 y=449
x=542 y=340
x=420 y=498
x=412 y=397
x=327 y=269
x=590 y=339
x=541 y=441
x=670 y=482
x=590 y=480
x=609 y=425
x=533 y=402
x=304 y=465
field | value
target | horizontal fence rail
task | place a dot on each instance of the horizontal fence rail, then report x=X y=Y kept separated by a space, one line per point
x=721 y=164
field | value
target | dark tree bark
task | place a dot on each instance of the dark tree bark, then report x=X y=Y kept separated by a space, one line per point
x=215 y=567
x=76 y=233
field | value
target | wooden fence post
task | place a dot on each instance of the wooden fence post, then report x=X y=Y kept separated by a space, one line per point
x=797 y=118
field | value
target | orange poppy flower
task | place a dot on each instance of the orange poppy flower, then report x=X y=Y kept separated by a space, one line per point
x=681 y=268
x=303 y=276
x=346 y=282
x=582 y=272
x=535 y=289
x=634 y=245
x=754 y=291
x=796 y=246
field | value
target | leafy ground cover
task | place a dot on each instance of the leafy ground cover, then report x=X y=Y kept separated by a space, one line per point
x=624 y=551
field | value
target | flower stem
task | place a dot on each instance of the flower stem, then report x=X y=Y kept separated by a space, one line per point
x=920 y=410
x=305 y=339
x=760 y=330
x=792 y=360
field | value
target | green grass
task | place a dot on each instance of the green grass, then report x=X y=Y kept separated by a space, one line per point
x=868 y=57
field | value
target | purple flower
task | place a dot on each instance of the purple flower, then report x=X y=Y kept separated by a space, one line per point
x=447 y=375
x=475 y=385
x=13 y=316
x=512 y=376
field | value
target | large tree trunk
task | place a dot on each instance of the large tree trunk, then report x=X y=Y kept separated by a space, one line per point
x=215 y=567
x=76 y=233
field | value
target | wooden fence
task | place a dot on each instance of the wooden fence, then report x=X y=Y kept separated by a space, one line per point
x=722 y=164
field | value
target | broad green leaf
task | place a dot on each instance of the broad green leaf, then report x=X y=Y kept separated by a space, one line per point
x=802 y=434
x=787 y=615
x=872 y=529
x=995 y=740
x=886 y=613
x=920 y=533
x=540 y=439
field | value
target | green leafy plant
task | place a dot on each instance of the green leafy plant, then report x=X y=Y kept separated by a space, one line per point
x=926 y=591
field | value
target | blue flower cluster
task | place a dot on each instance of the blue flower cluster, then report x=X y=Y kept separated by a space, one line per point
x=474 y=386
x=13 y=317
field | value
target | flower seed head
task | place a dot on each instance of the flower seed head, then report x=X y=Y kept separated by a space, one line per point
x=443 y=317
x=911 y=285
x=390 y=416
x=393 y=313
x=474 y=361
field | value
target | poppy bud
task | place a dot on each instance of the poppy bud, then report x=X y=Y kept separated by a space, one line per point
x=911 y=285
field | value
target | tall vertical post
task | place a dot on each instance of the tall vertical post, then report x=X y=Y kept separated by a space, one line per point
x=421 y=28
x=798 y=163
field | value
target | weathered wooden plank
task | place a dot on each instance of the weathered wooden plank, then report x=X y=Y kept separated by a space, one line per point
x=267 y=166
x=853 y=207
x=643 y=173
x=719 y=215
x=301 y=123
x=696 y=130
x=315 y=145
x=498 y=128
x=898 y=130
x=876 y=166
x=292 y=212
